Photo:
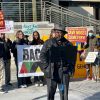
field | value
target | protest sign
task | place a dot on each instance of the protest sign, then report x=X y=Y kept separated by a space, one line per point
x=29 y=60
x=9 y=27
x=2 y=22
x=29 y=28
x=91 y=57
x=77 y=34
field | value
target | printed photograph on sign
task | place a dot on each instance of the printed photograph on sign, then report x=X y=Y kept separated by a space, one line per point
x=9 y=27
x=2 y=22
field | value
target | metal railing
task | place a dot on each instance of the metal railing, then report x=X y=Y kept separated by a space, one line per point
x=20 y=11
x=63 y=16
x=47 y=11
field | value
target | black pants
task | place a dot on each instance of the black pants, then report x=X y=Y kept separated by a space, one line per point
x=52 y=85
x=7 y=64
x=22 y=80
x=39 y=79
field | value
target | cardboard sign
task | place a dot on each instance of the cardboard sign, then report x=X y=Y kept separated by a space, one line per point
x=91 y=57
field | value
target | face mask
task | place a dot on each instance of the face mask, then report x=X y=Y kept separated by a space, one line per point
x=90 y=34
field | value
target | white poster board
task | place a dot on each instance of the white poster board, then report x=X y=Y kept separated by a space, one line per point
x=9 y=27
x=91 y=57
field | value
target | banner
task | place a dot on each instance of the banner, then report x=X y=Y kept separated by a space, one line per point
x=2 y=22
x=77 y=34
x=9 y=27
x=29 y=60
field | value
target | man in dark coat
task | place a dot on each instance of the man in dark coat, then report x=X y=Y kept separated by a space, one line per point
x=7 y=57
x=56 y=72
x=1 y=66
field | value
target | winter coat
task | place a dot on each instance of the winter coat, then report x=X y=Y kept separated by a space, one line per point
x=53 y=70
x=1 y=49
x=14 y=46
x=7 y=48
x=36 y=42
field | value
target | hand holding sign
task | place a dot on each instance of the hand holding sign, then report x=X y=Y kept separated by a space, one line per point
x=91 y=57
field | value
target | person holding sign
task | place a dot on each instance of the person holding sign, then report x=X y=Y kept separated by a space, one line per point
x=22 y=81
x=7 y=58
x=96 y=67
x=1 y=65
x=58 y=57
x=38 y=80
x=89 y=47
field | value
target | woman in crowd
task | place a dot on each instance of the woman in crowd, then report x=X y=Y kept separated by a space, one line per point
x=90 y=47
x=38 y=80
x=52 y=34
x=22 y=81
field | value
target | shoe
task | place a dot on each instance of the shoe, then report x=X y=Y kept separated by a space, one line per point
x=88 y=79
x=93 y=79
x=36 y=84
x=21 y=86
x=25 y=86
x=40 y=84
x=2 y=91
x=9 y=84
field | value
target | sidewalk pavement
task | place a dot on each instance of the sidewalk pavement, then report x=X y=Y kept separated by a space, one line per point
x=79 y=89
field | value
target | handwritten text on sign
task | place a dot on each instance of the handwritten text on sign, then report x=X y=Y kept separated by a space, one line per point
x=29 y=28
x=77 y=34
x=91 y=57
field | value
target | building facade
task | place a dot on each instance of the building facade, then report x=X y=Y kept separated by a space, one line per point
x=30 y=10
x=90 y=8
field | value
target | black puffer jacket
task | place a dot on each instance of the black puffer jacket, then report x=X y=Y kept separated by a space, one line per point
x=1 y=49
x=14 y=46
x=7 y=47
x=53 y=69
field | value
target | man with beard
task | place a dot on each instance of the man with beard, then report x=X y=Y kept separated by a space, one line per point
x=57 y=72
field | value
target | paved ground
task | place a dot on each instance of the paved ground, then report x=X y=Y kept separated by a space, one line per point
x=78 y=90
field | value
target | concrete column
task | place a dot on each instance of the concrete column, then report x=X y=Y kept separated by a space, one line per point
x=34 y=10
x=55 y=1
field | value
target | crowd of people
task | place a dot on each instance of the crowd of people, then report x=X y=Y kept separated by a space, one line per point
x=7 y=47
x=52 y=70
